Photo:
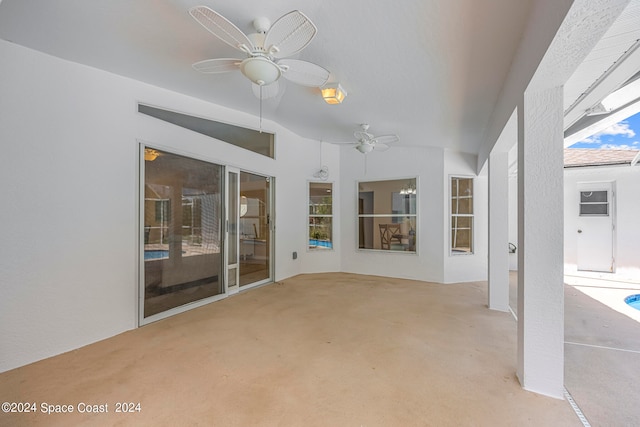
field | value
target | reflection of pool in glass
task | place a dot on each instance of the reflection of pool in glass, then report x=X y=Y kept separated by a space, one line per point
x=157 y=254
x=633 y=301
x=320 y=243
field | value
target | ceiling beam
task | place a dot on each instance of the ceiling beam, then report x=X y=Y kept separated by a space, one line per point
x=616 y=76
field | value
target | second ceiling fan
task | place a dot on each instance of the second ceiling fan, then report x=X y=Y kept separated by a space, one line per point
x=367 y=142
x=266 y=50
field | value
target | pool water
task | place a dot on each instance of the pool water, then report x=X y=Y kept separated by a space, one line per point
x=321 y=243
x=633 y=301
x=156 y=254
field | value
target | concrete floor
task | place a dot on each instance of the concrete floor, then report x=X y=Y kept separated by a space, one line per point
x=602 y=350
x=602 y=346
x=329 y=349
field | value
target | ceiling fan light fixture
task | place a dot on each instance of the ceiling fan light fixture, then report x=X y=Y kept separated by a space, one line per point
x=333 y=93
x=364 y=148
x=260 y=70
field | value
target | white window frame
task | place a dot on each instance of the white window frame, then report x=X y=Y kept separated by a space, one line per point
x=310 y=215
x=450 y=197
x=416 y=216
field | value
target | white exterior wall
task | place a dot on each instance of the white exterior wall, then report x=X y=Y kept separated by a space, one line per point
x=540 y=225
x=498 y=212
x=69 y=169
x=433 y=261
x=513 y=220
x=627 y=205
x=70 y=139
x=626 y=247
x=397 y=163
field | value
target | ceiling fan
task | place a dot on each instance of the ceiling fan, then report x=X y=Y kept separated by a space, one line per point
x=367 y=142
x=266 y=50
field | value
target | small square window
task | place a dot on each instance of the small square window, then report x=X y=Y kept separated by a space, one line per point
x=594 y=203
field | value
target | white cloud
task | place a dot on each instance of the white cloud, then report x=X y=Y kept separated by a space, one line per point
x=620 y=129
x=618 y=147
x=593 y=139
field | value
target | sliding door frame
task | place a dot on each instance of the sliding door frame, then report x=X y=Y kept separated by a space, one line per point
x=141 y=227
x=271 y=230
x=231 y=231
x=225 y=235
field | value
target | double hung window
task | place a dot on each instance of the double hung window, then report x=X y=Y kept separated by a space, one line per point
x=461 y=215
x=320 y=216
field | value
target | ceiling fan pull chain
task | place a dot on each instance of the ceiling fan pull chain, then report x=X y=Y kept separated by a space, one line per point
x=260 y=108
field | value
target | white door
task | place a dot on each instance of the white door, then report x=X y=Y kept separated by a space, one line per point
x=596 y=227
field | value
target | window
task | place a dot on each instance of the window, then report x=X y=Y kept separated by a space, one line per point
x=387 y=216
x=257 y=141
x=594 y=203
x=320 y=216
x=461 y=215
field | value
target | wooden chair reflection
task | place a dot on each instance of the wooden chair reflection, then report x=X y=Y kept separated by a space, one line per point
x=391 y=237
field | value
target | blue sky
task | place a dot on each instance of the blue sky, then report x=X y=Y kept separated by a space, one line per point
x=622 y=135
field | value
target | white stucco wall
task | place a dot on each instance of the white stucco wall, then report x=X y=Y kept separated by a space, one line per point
x=397 y=163
x=627 y=205
x=69 y=169
x=70 y=138
x=513 y=220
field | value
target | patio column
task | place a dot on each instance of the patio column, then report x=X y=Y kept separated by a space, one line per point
x=499 y=231
x=540 y=237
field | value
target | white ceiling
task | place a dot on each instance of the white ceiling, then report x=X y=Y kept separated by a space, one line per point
x=427 y=70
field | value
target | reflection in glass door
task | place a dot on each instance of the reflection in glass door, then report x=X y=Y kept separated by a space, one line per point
x=182 y=215
x=233 y=217
x=255 y=229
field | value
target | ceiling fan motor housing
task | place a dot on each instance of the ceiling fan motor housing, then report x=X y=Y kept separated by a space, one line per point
x=262 y=24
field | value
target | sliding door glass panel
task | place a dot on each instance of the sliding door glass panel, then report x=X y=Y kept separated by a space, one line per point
x=233 y=215
x=255 y=228
x=183 y=224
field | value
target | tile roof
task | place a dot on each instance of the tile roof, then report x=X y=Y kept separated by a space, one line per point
x=580 y=157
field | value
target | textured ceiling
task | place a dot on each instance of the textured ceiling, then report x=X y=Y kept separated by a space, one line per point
x=427 y=70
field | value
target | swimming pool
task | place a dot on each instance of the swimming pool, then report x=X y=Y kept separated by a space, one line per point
x=633 y=301
x=156 y=254
x=321 y=243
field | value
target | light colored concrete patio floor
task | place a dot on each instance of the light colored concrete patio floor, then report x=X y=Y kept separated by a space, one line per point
x=314 y=350
x=602 y=347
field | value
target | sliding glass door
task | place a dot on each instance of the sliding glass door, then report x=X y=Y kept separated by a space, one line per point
x=255 y=229
x=207 y=232
x=182 y=218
